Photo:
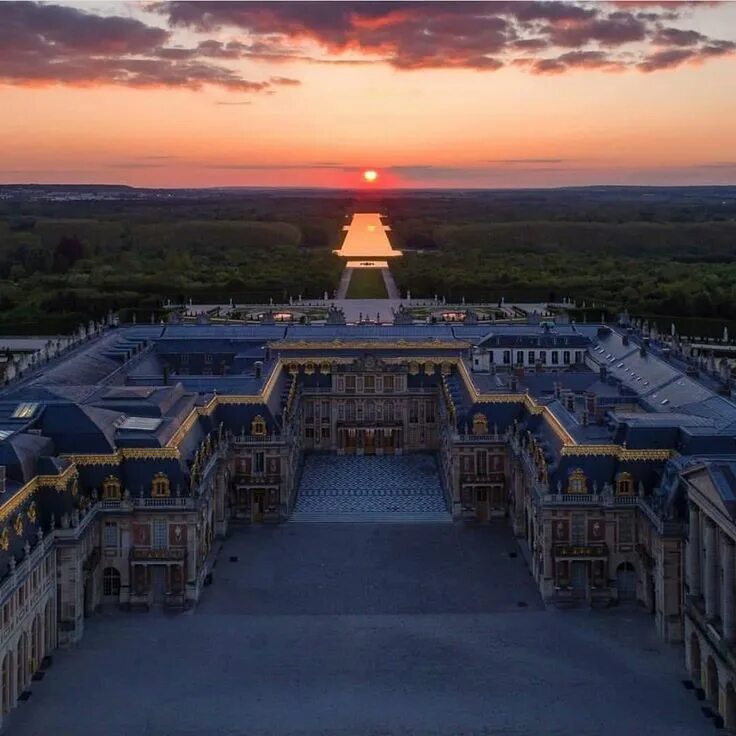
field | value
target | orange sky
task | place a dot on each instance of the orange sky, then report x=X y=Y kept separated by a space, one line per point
x=426 y=126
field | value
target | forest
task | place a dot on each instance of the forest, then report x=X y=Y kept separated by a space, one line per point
x=71 y=255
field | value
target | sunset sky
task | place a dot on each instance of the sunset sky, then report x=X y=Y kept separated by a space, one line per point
x=493 y=94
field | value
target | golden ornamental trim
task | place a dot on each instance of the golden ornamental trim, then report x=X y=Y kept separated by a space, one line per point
x=372 y=345
x=126 y=453
x=617 y=451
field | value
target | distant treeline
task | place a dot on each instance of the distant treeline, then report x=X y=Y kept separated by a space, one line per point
x=652 y=250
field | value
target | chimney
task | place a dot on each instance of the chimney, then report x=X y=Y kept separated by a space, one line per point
x=2 y=479
x=558 y=389
x=591 y=403
x=603 y=373
x=514 y=382
x=258 y=368
x=644 y=346
x=585 y=416
x=570 y=401
x=625 y=339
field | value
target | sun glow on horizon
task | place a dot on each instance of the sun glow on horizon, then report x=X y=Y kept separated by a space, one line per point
x=370 y=175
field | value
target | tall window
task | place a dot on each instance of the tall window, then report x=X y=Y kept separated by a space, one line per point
x=110 y=581
x=519 y=357
x=555 y=357
x=531 y=357
x=258 y=462
x=350 y=384
x=625 y=529
x=369 y=384
x=578 y=528
x=388 y=384
x=542 y=356
x=160 y=532
x=506 y=357
x=566 y=357
x=110 y=535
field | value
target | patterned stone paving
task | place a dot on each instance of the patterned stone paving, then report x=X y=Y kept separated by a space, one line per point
x=370 y=488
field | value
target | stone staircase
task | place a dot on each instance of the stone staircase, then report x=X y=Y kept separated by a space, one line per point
x=370 y=489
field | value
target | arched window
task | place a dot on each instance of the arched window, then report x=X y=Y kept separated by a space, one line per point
x=480 y=424
x=160 y=485
x=577 y=482
x=258 y=426
x=111 y=488
x=110 y=581
x=624 y=484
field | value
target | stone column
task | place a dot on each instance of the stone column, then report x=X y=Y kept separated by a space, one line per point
x=694 y=580
x=728 y=604
x=711 y=572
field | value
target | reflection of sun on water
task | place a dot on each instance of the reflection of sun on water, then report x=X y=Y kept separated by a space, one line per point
x=366 y=237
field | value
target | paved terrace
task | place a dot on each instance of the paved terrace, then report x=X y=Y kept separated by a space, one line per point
x=361 y=630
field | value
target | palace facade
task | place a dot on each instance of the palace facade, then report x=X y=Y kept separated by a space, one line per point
x=124 y=459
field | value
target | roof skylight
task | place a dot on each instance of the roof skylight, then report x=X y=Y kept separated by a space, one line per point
x=25 y=410
x=141 y=424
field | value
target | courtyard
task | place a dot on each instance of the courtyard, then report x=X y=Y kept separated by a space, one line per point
x=366 y=630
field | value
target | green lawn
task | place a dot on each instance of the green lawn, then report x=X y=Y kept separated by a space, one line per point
x=366 y=283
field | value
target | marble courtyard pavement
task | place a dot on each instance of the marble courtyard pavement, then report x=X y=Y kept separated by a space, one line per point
x=366 y=630
x=388 y=488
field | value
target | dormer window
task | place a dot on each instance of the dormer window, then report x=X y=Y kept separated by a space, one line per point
x=624 y=484
x=111 y=488
x=160 y=487
x=258 y=426
x=480 y=424
x=577 y=482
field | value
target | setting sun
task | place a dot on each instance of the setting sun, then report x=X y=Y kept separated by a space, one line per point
x=370 y=175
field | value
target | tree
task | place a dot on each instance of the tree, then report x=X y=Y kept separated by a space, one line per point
x=68 y=251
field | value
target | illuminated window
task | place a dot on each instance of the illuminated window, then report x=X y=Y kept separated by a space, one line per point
x=160 y=486
x=258 y=426
x=388 y=384
x=577 y=482
x=480 y=424
x=111 y=489
x=624 y=484
x=369 y=384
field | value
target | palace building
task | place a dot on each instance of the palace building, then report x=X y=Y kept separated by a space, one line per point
x=124 y=459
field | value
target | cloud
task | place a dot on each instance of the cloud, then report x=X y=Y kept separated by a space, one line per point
x=53 y=44
x=506 y=161
x=543 y=37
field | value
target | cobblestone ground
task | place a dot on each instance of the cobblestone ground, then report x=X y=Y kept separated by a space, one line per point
x=366 y=630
